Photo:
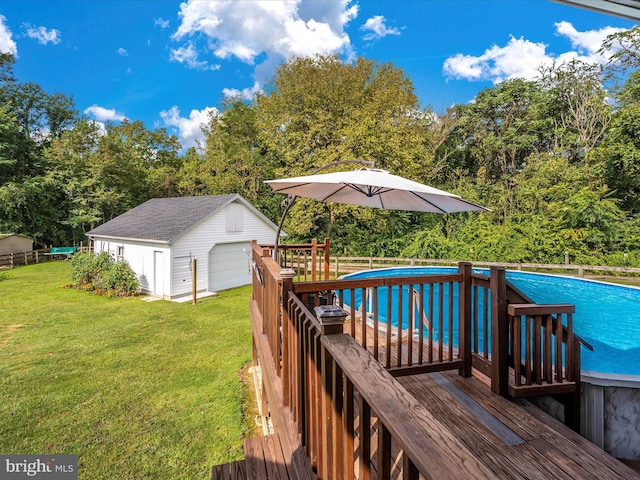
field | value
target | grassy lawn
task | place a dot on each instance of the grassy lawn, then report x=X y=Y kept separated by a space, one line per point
x=136 y=389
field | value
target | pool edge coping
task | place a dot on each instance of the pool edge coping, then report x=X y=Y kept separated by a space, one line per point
x=604 y=379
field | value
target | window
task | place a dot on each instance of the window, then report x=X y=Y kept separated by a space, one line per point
x=120 y=255
x=233 y=216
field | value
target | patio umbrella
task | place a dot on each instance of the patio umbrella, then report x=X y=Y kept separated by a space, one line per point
x=376 y=188
x=370 y=187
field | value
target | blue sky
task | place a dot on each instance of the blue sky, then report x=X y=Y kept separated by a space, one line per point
x=170 y=63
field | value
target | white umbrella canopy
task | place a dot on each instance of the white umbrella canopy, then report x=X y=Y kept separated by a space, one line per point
x=376 y=188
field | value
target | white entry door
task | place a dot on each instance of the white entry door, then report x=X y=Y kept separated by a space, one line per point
x=158 y=274
x=229 y=266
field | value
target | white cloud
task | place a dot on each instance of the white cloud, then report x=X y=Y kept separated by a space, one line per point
x=282 y=28
x=376 y=25
x=245 y=94
x=160 y=22
x=521 y=58
x=122 y=52
x=43 y=35
x=7 y=45
x=188 y=55
x=190 y=129
x=104 y=114
x=589 y=42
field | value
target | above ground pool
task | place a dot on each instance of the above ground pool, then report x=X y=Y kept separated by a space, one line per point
x=607 y=315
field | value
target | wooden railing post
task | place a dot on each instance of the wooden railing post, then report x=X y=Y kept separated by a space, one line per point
x=464 y=319
x=314 y=256
x=499 y=332
x=331 y=318
x=287 y=275
x=327 y=257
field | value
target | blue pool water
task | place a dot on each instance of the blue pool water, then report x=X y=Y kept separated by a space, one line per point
x=607 y=315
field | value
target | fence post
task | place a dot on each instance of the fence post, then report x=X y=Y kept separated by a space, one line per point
x=499 y=332
x=194 y=281
x=331 y=318
x=464 y=319
x=12 y=265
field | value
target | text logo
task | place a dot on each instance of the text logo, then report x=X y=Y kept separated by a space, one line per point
x=44 y=467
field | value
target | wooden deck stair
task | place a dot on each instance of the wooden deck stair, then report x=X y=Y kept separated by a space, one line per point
x=266 y=458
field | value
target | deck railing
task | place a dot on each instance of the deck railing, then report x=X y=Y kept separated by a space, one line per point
x=332 y=369
x=309 y=261
x=410 y=324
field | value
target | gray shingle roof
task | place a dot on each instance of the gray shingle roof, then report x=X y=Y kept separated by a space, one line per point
x=162 y=219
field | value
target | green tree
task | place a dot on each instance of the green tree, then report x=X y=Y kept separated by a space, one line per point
x=577 y=101
x=320 y=110
x=37 y=117
x=233 y=160
x=35 y=207
x=103 y=174
x=499 y=129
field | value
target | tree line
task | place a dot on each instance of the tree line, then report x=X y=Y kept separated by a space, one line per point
x=557 y=160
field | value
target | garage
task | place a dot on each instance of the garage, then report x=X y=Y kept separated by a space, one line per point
x=163 y=238
x=229 y=266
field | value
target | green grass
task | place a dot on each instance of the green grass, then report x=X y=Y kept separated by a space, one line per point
x=138 y=390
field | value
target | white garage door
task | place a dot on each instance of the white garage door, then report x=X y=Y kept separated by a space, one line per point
x=229 y=266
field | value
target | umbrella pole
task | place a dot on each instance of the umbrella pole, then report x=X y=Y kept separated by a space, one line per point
x=289 y=201
x=292 y=198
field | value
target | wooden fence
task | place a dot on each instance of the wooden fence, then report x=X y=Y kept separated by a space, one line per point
x=329 y=353
x=12 y=260
x=342 y=265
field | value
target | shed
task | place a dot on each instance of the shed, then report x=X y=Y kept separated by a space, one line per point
x=161 y=238
x=13 y=243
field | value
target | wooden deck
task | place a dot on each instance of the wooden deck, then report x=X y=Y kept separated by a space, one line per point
x=387 y=411
x=266 y=458
x=511 y=438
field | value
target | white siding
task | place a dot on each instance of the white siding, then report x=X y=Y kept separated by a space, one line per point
x=199 y=241
x=140 y=257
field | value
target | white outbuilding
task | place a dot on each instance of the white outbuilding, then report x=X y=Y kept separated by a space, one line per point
x=163 y=238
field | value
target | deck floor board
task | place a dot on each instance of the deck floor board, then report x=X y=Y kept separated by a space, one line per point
x=550 y=449
x=266 y=458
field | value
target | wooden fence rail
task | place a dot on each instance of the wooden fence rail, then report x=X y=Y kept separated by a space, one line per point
x=342 y=265
x=12 y=260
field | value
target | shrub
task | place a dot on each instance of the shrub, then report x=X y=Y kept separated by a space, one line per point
x=101 y=274
x=86 y=269
x=120 y=281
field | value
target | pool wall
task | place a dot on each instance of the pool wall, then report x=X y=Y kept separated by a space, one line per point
x=611 y=412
